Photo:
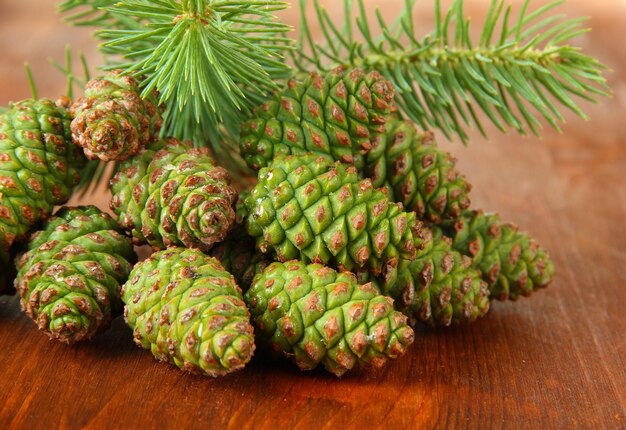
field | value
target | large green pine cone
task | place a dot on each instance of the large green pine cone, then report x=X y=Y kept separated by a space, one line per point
x=172 y=194
x=239 y=257
x=416 y=172
x=39 y=165
x=70 y=278
x=511 y=262
x=112 y=121
x=185 y=308
x=315 y=315
x=439 y=287
x=306 y=207
x=332 y=115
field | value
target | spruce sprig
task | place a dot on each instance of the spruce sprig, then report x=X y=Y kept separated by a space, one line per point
x=210 y=60
x=516 y=72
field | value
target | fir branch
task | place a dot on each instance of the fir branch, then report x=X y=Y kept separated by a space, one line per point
x=517 y=72
x=210 y=60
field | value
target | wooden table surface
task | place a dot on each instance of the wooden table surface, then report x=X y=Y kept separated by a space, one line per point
x=555 y=360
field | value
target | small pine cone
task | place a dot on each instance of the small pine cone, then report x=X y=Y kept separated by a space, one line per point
x=511 y=262
x=333 y=115
x=70 y=278
x=39 y=165
x=112 y=121
x=417 y=173
x=306 y=207
x=439 y=287
x=239 y=257
x=185 y=308
x=315 y=315
x=172 y=194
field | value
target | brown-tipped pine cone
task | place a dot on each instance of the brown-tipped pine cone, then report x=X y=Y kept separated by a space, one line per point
x=112 y=121
x=172 y=194
x=439 y=287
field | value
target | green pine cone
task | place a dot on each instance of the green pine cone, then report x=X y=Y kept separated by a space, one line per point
x=306 y=207
x=172 y=194
x=39 y=165
x=439 y=287
x=417 y=173
x=112 y=121
x=185 y=308
x=333 y=115
x=315 y=315
x=239 y=256
x=511 y=262
x=70 y=278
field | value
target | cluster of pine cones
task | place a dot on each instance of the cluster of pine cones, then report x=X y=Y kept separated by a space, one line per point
x=357 y=229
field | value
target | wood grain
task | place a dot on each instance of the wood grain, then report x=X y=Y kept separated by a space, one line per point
x=554 y=361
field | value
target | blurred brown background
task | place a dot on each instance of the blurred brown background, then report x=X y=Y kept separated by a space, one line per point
x=556 y=360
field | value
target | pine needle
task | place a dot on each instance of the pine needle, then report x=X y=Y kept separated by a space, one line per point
x=31 y=81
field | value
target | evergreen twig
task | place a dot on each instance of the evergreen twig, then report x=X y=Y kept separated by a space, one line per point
x=210 y=60
x=517 y=72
